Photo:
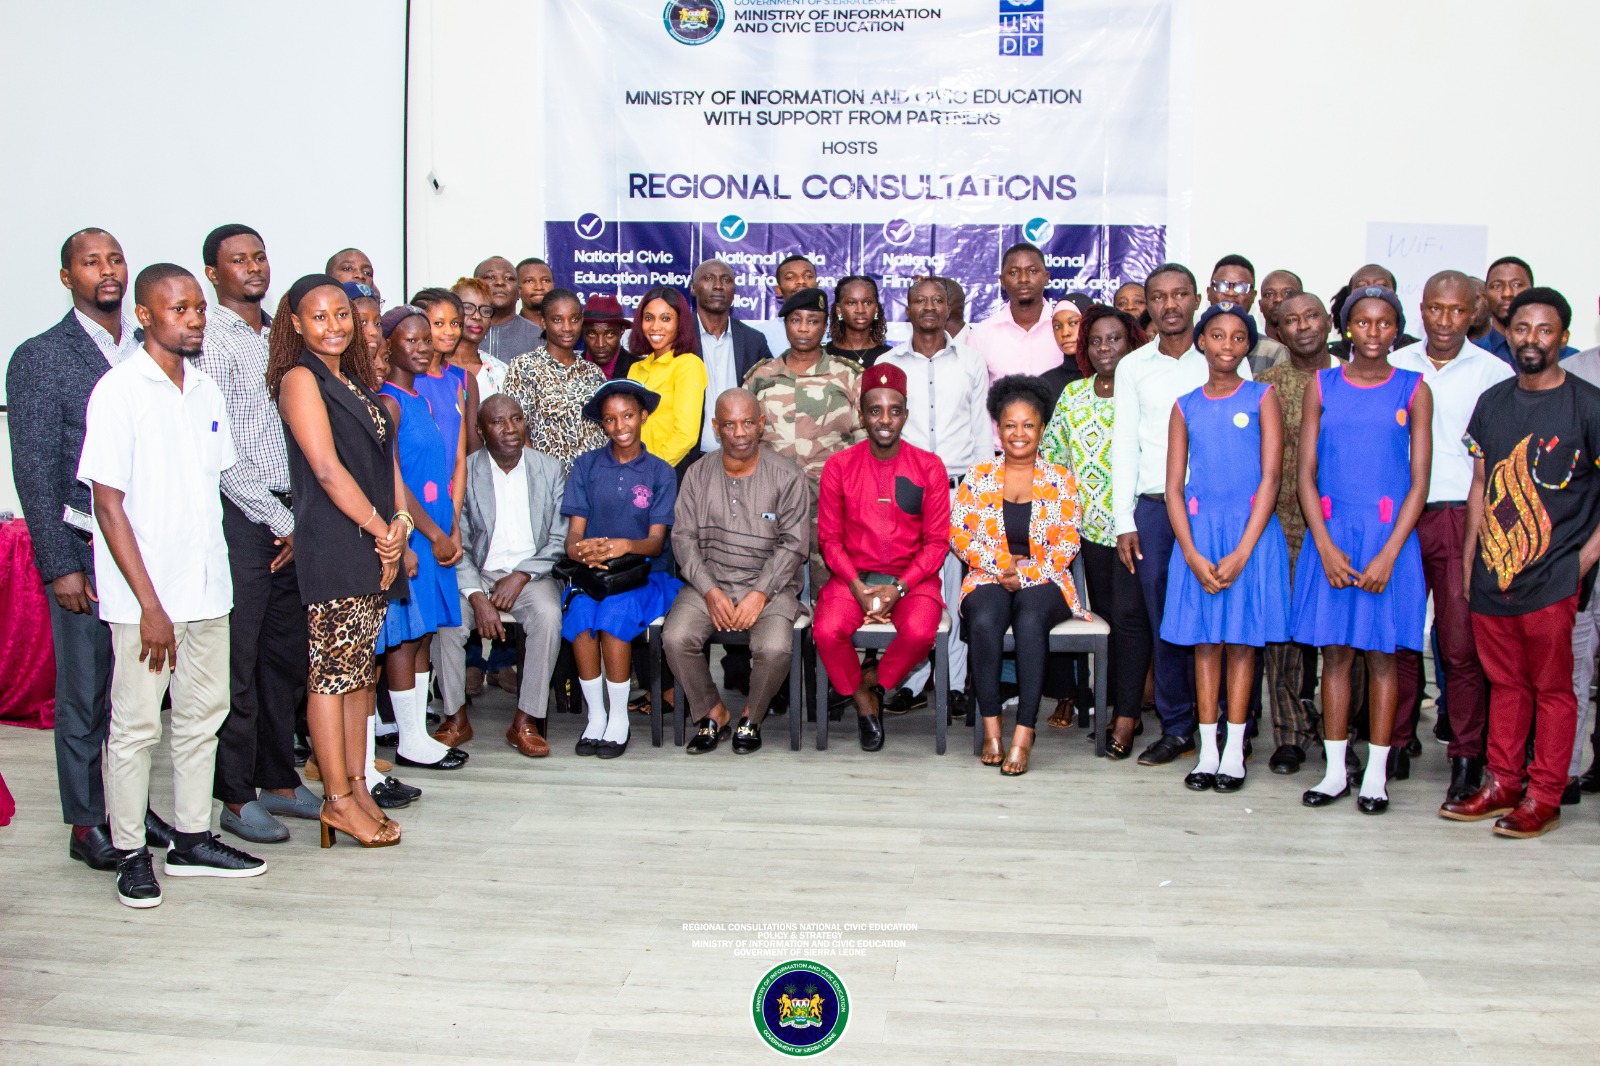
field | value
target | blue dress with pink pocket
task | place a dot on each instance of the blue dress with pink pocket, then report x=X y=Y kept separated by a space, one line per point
x=1363 y=476
x=433 y=598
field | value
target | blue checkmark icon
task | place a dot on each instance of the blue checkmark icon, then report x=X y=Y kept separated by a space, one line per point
x=733 y=228
x=589 y=225
x=898 y=231
x=1038 y=230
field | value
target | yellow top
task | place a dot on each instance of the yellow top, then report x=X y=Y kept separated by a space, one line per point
x=673 y=430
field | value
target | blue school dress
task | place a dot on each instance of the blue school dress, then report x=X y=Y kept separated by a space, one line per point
x=447 y=399
x=1224 y=474
x=433 y=598
x=1363 y=475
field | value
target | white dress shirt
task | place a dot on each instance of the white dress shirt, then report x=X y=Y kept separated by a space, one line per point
x=166 y=451
x=1456 y=388
x=947 y=404
x=1148 y=384
x=512 y=539
x=721 y=375
x=116 y=352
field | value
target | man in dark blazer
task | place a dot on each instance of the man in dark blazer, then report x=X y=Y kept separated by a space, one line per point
x=47 y=388
x=505 y=566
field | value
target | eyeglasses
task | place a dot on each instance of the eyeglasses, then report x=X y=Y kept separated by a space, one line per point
x=1232 y=288
x=477 y=310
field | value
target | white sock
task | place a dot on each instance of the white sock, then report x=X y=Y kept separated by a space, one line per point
x=1208 y=749
x=1333 y=782
x=617 y=717
x=382 y=728
x=415 y=743
x=594 y=699
x=374 y=779
x=424 y=687
x=1374 y=783
x=1233 y=751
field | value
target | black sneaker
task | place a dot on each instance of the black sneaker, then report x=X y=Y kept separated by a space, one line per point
x=904 y=700
x=212 y=858
x=136 y=880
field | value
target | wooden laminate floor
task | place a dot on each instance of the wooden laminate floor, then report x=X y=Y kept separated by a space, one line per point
x=1089 y=912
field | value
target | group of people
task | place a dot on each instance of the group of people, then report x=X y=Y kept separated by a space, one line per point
x=253 y=513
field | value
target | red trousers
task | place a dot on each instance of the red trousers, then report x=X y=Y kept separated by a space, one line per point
x=916 y=623
x=1528 y=661
x=1440 y=535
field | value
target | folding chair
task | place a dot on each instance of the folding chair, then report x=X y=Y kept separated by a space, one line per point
x=880 y=635
x=1091 y=635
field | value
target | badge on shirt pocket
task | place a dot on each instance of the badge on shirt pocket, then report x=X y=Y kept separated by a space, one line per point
x=908 y=495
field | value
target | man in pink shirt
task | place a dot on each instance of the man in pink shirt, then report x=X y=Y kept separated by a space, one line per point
x=1018 y=338
x=883 y=519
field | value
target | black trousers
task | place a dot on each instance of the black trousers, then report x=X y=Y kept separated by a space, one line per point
x=1030 y=614
x=1132 y=642
x=83 y=700
x=268 y=664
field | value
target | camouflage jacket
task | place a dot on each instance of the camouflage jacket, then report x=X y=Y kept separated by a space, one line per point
x=809 y=416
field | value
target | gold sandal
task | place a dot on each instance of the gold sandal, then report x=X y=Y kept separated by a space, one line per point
x=991 y=751
x=387 y=835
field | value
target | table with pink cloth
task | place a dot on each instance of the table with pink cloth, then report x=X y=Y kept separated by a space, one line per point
x=27 y=656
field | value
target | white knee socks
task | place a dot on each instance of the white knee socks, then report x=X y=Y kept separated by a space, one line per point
x=374 y=779
x=1233 y=751
x=410 y=715
x=1333 y=781
x=1375 y=782
x=617 y=716
x=1208 y=750
x=594 y=700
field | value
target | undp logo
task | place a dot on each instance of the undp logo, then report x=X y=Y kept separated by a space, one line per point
x=693 y=21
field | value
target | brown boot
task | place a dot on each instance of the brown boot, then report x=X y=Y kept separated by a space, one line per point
x=1530 y=819
x=1490 y=801
x=524 y=736
x=455 y=730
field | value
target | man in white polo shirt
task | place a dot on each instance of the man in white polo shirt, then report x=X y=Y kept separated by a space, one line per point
x=156 y=444
x=1149 y=382
x=1458 y=373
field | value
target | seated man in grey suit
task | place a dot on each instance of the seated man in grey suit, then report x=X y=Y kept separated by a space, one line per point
x=512 y=533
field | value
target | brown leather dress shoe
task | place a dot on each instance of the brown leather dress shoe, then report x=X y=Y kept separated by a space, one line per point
x=1530 y=819
x=455 y=730
x=1490 y=801
x=524 y=736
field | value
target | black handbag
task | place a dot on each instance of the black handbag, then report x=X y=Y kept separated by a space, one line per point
x=622 y=574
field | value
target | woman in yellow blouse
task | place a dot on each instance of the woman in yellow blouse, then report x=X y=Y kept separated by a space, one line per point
x=1014 y=523
x=666 y=341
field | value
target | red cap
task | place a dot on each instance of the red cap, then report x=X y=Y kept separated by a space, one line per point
x=883 y=376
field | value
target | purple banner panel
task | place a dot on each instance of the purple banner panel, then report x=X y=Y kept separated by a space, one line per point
x=754 y=249
x=898 y=252
x=599 y=256
x=1094 y=260
x=1132 y=253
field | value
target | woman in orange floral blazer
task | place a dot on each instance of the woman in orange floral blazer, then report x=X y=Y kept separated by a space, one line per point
x=1015 y=524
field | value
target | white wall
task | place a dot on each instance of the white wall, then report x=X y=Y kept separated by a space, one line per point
x=1307 y=120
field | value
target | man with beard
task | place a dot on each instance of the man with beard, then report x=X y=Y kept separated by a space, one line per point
x=156 y=444
x=1507 y=277
x=1457 y=373
x=510 y=335
x=267 y=662
x=1149 y=381
x=1019 y=338
x=728 y=347
x=1532 y=540
x=48 y=384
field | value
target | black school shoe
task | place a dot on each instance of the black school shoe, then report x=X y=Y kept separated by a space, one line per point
x=211 y=857
x=746 y=738
x=1166 y=748
x=1287 y=759
x=871 y=727
x=137 y=886
x=389 y=798
x=94 y=849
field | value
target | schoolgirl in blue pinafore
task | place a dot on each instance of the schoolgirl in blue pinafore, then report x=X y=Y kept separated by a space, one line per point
x=426 y=466
x=1363 y=475
x=1224 y=473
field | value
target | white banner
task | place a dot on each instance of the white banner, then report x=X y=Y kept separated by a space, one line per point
x=877 y=138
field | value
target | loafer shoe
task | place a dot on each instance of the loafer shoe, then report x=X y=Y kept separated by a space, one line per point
x=1287 y=759
x=254 y=824
x=871 y=727
x=137 y=886
x=708 y=736
x=528 y=741
x=305 y=804
x=212 y=858
x=93 y=847
x=746 y=737
x=1166 y=748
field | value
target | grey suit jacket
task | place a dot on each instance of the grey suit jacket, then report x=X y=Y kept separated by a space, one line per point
x=47 y=392
x=549 y=525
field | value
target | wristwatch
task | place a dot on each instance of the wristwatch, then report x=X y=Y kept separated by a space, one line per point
x=899 y=586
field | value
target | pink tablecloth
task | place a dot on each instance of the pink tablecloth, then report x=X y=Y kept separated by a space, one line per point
x=27 y=657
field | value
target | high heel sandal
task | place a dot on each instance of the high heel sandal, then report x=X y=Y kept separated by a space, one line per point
x=1017 y=757
x=387 y=836
x=361 y=783
x=991 y=751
